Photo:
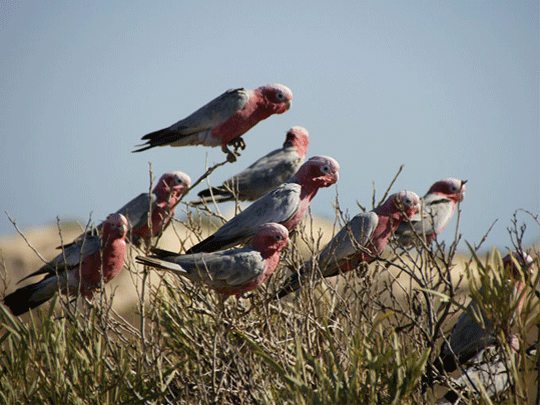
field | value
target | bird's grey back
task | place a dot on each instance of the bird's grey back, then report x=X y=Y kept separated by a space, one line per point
x=214 y=112
x=277 y=206
x=265 y=174
x=226 y=268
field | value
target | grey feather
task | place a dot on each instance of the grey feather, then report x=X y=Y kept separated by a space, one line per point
x=277 y=206
x=223 y=269
x=434 y=214
x=259 y=178
x=213 y=113
x=136 y=211
x=201 y=122
x=70 y=257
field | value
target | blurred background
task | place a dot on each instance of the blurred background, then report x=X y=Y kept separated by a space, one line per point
x=447 y=89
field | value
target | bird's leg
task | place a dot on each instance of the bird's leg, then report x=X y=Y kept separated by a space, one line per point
x=237 y=143
x=231 y=156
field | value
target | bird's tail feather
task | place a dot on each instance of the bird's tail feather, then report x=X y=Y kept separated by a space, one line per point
x=156 y=138
x=217 y=194
x=162 y=253
x=31 y=296
x=160 y=264
x=216 y=191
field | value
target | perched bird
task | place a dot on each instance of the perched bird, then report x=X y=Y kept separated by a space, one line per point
x=265 y=174
x=161 y=202
x=437 y=208
x=474 y=346
x=488 y=368
x=286 y=205
x=224 y=120
x=362 y=239
x=78 y=269
x=233 y=271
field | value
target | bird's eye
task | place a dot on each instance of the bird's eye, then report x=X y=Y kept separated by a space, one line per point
x=408 y=201
x=453 y=189
x=325 y=169
x=280 y=96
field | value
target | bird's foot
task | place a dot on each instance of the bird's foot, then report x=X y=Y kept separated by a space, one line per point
x=231 y=155
x=238 y=143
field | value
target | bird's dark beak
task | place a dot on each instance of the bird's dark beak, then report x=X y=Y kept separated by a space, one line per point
x=462 y=191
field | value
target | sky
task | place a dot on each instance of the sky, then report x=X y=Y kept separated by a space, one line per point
x=444 y=88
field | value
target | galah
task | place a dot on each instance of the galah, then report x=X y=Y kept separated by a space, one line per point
x=436 y=211
x=224 y=120
x=233 y=271
x=286 y=205
x=161 y=203
x=265 y=174
x=489 y=368
x=80 y=268
x=362 y=239
x=474 y=346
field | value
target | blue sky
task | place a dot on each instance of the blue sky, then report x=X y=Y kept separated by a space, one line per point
x=447 y=89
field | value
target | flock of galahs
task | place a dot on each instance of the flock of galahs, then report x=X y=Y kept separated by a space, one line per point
x=281 y=186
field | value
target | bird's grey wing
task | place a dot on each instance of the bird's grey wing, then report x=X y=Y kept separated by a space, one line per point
x=230 y=268
x=277 y=206
x=351 y=238
x=348 y=241
x=136 y=211
x=92 y=231
x=70 y=257
x=435 y=211
x=489 y=369
x=265 y=174
x=468 y=337
x=213 y=113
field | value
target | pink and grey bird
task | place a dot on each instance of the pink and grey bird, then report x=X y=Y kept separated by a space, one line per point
x=362 y=239
x=489 y=368
x=474 y=346
x=436 y=211
x=265 y=174
x=224 y=120
x=79 y=268
x=161 y=203
x=230 y=272
x=286 y=205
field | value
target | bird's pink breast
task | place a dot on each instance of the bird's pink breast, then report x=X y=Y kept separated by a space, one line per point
x=113 y=261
